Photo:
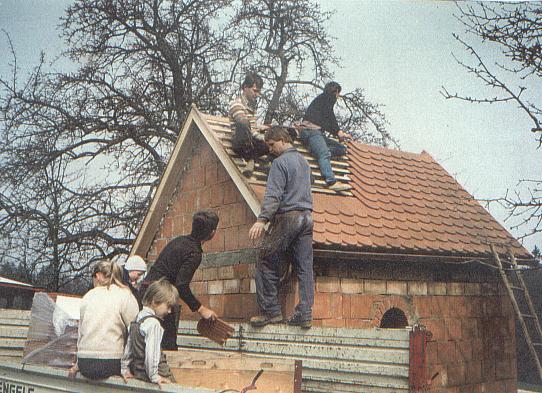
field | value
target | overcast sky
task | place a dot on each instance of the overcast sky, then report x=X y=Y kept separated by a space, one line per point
x=400 y=52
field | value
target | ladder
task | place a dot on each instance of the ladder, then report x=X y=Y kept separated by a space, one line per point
x=533 y=336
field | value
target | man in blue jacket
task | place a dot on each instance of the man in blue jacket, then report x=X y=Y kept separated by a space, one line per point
x=287 y=206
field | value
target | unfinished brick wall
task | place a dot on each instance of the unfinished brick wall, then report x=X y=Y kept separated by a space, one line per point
x=205 y=184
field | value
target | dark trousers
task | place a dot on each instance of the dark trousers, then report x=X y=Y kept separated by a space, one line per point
x=98 y=368
x=289 y=235
x=170 y=323
x=244 y=145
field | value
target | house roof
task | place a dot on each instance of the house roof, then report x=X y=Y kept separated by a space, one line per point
x=401 y=203
x=8 y=282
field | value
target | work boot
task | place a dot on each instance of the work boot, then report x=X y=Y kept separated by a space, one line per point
x=339 y=187
x=298 y=320
x=262 y=320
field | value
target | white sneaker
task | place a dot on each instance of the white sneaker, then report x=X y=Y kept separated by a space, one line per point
x=337 y=186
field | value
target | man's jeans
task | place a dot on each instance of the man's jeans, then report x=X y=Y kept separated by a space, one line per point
x=290 y=235
x=244 y=145
x=322 y=148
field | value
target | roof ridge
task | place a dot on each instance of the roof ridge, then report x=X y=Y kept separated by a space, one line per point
x=389 y=151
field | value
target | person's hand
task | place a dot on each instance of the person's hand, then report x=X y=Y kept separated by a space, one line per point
x=72 y=372
x=162 y=381
x=257 y=230
x=207 y=313
x=343 y=136
x=127 y=375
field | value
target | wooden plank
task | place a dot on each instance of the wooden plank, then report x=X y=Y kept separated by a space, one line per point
x=220 y=370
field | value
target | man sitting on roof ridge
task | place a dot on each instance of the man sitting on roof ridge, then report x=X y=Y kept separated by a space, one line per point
x=247 y=141
x=320 y=117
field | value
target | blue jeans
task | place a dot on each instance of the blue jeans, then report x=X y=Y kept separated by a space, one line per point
x=322 y=149
x=290 y=235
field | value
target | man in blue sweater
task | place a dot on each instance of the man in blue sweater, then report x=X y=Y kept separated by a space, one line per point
x=287 y=205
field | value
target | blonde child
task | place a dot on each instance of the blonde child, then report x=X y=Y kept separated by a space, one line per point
x=143 y=358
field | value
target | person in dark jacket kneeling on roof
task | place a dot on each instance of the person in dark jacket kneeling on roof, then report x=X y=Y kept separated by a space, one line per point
x=178 y=262
x=319 y=117
x=287 y=205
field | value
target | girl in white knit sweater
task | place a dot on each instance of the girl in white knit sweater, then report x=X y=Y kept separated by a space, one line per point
x=106 y=312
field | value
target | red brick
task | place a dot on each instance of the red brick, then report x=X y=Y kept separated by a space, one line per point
x=232 y=286
x=396 y=287
x=456 y=374
x=417 y=288
x=346 y=300
x=231 y=239
x=210 y=273
x=446 y=352
x=240 y=306
x=511 y=386
x=473 y=372
x=432 y=354
x=238 y=214
x=488 y=369
x=336 y=305
x=469 y=328
x=455 y=288
x=222 y=175
x=230 y=193
x=351 y=285
x=436 y=288
x=333 y=323
x=423 y=306
x=245 y=285
x=358 y=324
x=225 y=272
x=216 y=303
x=361 y=306
x=198 y=287
x=464 y=351
x=210 y=173
x=224 y=214
x=453 y=328
x=436 y=327
x=472 y=289
x=375 y=286
x=215 y=287
x=217 y=195
x=216 y=244
x=241 y=270
x=477 y=348
x=204 y=197
x=322 y=306
x=327 y=284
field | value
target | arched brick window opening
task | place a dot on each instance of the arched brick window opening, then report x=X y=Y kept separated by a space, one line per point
x=394 y=318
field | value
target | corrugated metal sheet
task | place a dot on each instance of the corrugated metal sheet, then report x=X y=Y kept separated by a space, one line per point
x=37 y=379
x=334 y=360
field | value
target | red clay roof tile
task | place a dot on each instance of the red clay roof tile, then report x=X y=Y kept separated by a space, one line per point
x=404 y=203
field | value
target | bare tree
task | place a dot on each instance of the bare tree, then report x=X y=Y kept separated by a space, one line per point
x=81 y=152
x=286 y=41
x=516 y=29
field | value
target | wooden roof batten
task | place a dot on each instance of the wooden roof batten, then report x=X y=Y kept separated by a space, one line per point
x=170 y=177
